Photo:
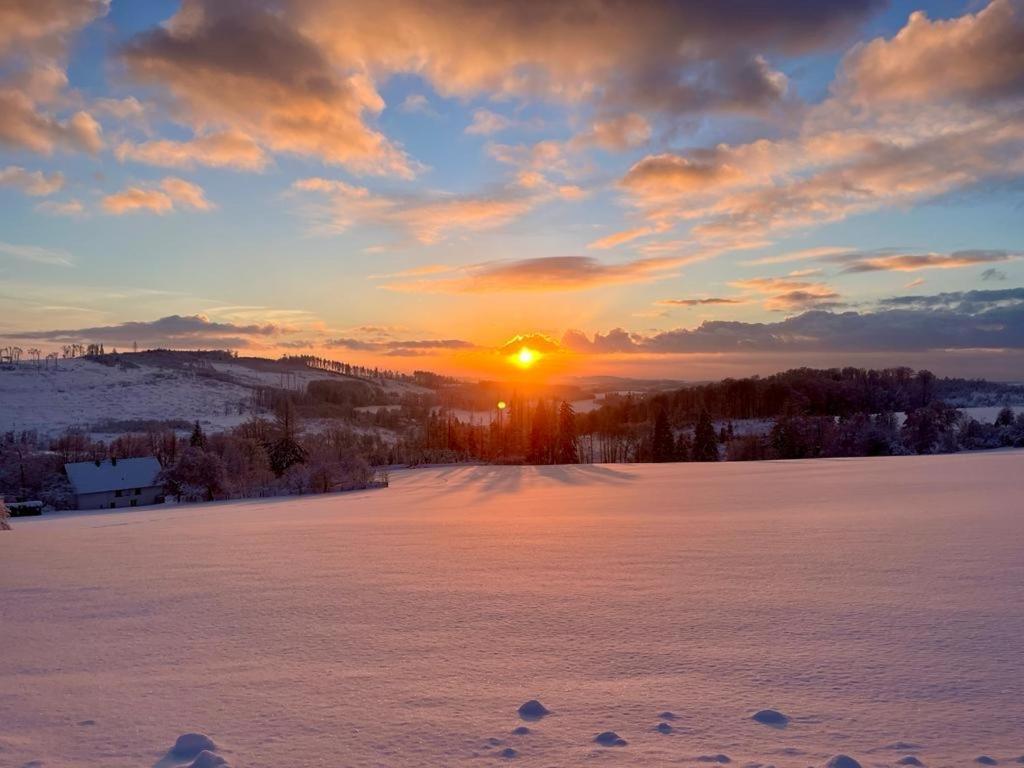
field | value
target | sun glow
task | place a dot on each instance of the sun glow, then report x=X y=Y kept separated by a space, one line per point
x=525 y=357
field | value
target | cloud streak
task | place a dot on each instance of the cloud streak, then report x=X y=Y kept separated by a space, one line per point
x=171 y=331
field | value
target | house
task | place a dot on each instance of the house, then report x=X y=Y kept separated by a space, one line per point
x=116 y=483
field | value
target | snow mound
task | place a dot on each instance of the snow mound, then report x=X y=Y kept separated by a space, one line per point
x=508 y=752
x=207 y=759
x=986 y=760
x=842 y=761
x=720 y=759
x=610 y=739
x=909 y=760
x=771 y=717
x=667 y=715
x=663 y=728
x=533 y=710
x=191 y=744
x=521 y=730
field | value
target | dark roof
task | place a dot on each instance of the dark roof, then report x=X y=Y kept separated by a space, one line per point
x=97 y=477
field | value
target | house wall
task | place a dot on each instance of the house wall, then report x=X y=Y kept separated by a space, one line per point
x=110 y=499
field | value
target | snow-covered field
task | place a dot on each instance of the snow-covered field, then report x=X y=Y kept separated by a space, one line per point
x=877 y=603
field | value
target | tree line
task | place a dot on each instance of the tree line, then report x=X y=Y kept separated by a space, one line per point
x=321 y=439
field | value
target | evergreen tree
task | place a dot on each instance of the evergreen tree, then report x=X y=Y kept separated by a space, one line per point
x=568 y=448
x=1005 y=418
x=198 y=439
x=539 y=449
x=662 y=443
x=705 y=442
x=684 y=448
x=285 y=451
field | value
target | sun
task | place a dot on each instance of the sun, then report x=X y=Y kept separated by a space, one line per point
x=525 y=357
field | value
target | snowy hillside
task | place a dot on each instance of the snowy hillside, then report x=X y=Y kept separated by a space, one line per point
x=877 y=604
x=83 y=393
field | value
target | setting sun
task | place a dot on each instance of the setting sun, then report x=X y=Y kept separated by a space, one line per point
x=525 y=357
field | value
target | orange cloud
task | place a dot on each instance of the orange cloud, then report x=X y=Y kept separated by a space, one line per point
x=33 y=183
x=485 y=122
x=617 y=133
x=44 y=26
x=975 y=56
x=619 y=238
x=172 y=193
x=35 y=36
x=551 y=273
x=787 y=294
x=429 y=218
x=226 y=149
x=913 y=262
x=24 y=125
x=211 y=59
x=894 y=131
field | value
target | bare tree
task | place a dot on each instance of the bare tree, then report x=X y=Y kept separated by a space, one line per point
x=4 y=515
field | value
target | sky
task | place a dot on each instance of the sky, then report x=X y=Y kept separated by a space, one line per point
x=686 y=190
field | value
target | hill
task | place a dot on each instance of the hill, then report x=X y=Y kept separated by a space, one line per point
x=112 y=394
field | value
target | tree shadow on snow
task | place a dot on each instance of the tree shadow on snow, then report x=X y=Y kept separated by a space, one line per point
x=509 y=479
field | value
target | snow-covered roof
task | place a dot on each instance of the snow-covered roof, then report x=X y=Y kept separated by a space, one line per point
x=93 y=477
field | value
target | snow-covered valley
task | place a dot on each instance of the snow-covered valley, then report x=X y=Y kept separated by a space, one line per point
x=877 y=603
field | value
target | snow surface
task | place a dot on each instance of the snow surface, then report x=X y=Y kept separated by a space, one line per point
x=877 y=603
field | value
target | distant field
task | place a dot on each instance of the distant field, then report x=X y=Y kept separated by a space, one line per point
x=877 y=603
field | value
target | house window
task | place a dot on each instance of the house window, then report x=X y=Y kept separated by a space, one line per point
x=138 y=491
x=117 y=494
x=135 y=502
x=113 y=505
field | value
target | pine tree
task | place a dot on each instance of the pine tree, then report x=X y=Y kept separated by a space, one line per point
x=198 y=439
x=285 y=451
x=567 y=451
x=705 y=442
x=539 y=448
x=662 y=444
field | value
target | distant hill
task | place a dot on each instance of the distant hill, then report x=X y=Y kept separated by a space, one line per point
x=130 y=391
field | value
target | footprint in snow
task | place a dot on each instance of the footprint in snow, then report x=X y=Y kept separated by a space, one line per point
x=533 y=710
x=191 y=744
x=771 y=717
x=610 y=739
